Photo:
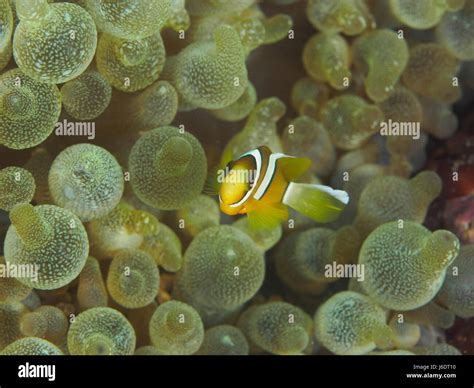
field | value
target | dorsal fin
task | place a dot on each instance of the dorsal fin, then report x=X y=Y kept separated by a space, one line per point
x=293 y=168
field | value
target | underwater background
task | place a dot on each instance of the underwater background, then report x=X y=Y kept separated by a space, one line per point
x=112 y=115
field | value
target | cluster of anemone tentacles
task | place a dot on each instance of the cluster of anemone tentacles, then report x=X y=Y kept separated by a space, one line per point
x=126 y=253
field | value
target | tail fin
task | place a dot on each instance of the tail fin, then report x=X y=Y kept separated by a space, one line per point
x=319 y=202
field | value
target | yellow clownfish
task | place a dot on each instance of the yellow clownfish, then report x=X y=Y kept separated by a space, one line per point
x=261 y=184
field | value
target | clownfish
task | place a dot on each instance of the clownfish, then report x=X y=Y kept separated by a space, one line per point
x=261 y=185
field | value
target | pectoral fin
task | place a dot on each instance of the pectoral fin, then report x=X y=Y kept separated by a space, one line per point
x=266 y=216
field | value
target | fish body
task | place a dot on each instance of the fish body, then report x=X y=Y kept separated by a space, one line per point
x=261 y=184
